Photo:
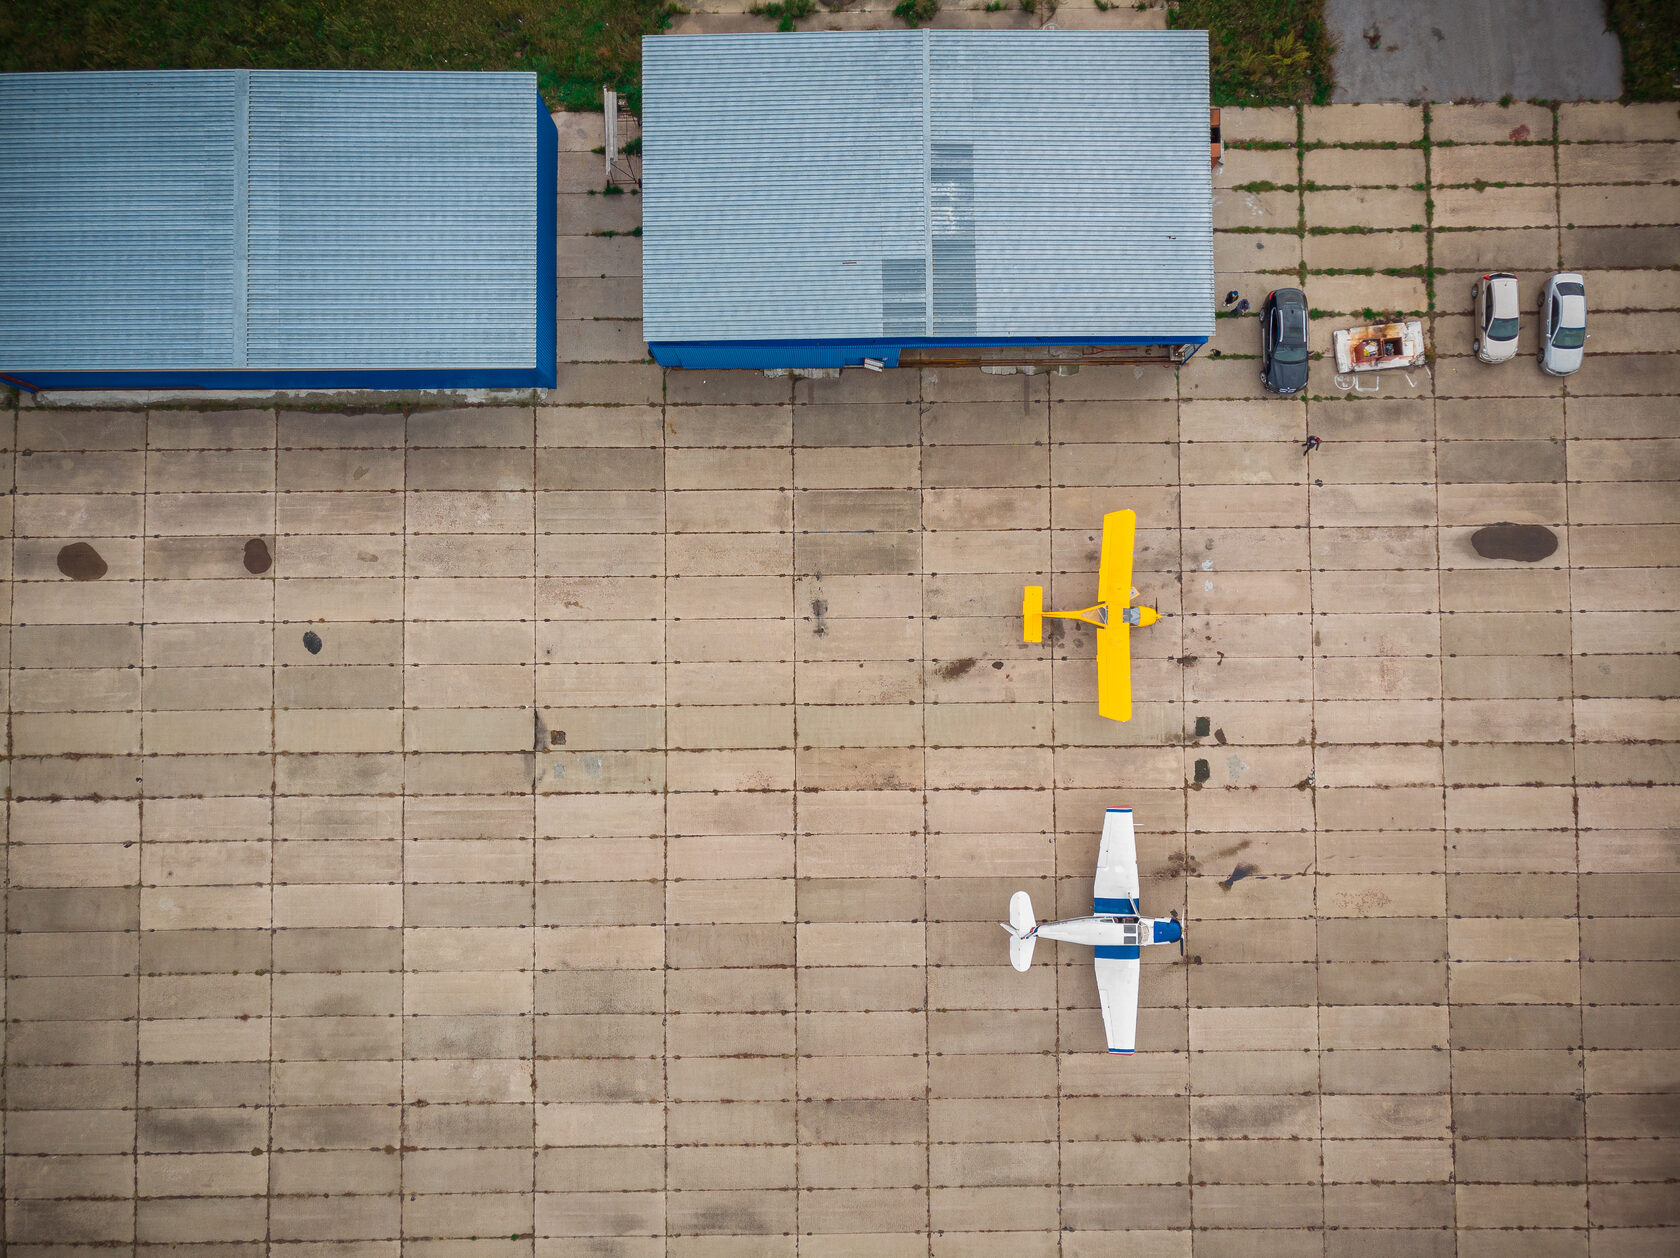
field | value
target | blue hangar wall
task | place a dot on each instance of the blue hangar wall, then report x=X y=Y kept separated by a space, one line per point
x=769 y=355
x=237 y=229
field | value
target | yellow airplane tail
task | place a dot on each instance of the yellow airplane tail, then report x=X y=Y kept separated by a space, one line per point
x=1032 y=614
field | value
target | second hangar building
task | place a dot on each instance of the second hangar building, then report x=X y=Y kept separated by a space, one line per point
x=1029 y=198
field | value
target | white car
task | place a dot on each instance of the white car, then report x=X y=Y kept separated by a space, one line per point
x=1494 y=298
x=1563 y=324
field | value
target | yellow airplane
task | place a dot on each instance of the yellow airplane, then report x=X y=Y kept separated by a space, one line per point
x=1115 y=592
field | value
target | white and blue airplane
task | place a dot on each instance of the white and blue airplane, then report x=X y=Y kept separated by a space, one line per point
x=1115 y=930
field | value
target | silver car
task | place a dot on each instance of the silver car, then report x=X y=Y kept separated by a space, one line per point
x=1494 y=298
x=1563 y=324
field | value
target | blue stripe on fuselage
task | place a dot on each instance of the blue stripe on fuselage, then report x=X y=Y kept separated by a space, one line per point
x=1121 y=953
x=1104 y=907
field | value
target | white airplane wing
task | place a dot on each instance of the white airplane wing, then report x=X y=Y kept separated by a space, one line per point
x=1117 y=987
x=1116 y=889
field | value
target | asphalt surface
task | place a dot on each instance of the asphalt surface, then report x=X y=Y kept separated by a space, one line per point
x=1398 y=50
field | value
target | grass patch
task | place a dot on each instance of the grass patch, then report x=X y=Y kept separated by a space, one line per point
x=1650 y=35
x=1263 y=52
x=914 y=12
x=784 y=13
x=574 y=46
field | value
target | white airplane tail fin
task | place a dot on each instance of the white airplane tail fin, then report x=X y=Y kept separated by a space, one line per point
x=1021 y=928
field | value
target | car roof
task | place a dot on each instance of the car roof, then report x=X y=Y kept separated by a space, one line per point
x=1503 y=290
x=1572 y=311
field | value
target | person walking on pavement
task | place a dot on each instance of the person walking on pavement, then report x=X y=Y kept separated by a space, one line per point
x=1231 y=296
x=1312 y=444
x=1242 y=306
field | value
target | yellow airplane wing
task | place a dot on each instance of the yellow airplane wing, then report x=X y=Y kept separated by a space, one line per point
x=1032 y=614
x=1114 y=665
x=1114 y=570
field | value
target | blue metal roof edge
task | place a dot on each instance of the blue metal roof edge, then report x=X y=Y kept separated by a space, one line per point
x=260 y=378
x=548 y=246
x=850 y=352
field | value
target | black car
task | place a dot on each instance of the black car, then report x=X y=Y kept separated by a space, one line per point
x=1283 y=340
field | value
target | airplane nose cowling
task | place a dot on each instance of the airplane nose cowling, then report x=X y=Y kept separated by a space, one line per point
x=1166 y=932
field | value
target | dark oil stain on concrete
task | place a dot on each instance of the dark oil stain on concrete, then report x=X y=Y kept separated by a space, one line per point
x=997 y=666
x=1237 y=875
x=1219 y=736
x=81 y=562
x=312 y=642
x=819 y=609
x=1525 y=543
x=955 y=669
x=1203 y=771
x=1241 y=845
x=1519 y=134
x=1180 y=864
x=1185 y=661
x=1203 y=726
x=257 y=558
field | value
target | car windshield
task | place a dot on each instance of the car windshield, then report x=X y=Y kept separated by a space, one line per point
x=1503 y=329
x=1569 y=338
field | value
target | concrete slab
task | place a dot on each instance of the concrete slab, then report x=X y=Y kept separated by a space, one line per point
x=1447 y=51
x=1363 y=124
x=1516 y=122
x=1383 y=208
x=1496 y=207
x=1248 y=166
x=1653 y=120
x=1255 y=252
x=1456 y=164
x=1349 y=251
x=1256 y=209
x=1270 y=124
x=1365 y=167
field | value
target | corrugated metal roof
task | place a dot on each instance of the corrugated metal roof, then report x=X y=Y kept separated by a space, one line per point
x=1052 y=183
x=283 y=220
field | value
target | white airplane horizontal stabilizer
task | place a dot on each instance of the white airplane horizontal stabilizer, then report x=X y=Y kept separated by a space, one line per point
x=1021 y=926
x=1020 y=952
